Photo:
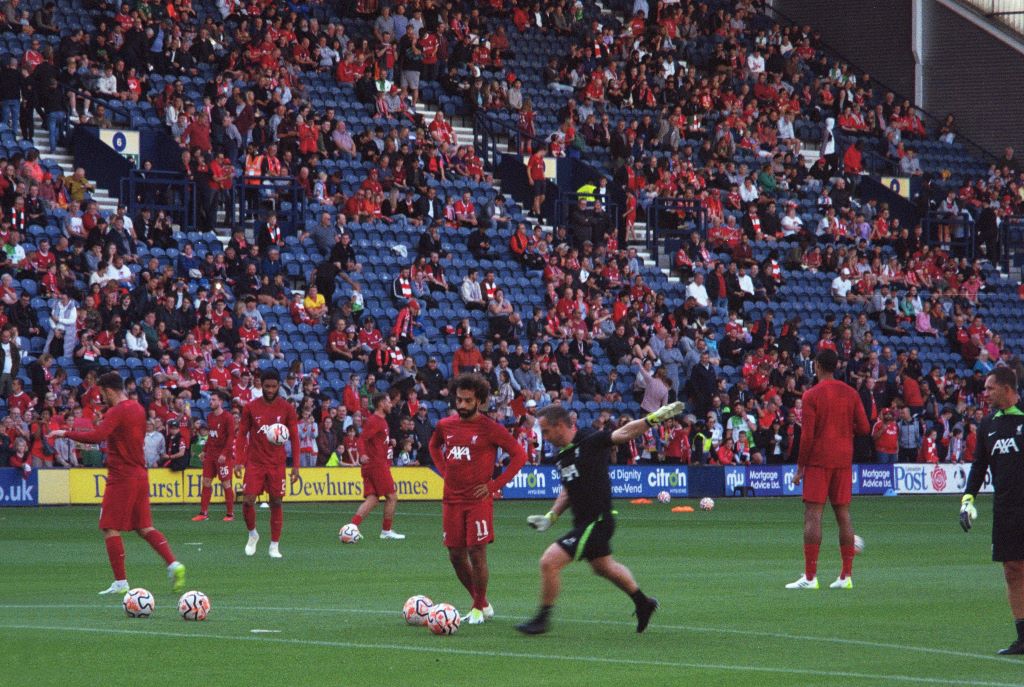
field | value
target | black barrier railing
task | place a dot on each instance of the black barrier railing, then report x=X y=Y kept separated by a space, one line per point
x=1011 y=239
x=670 y=221
x=161 y=190
x=256 y=197
x=958 y=233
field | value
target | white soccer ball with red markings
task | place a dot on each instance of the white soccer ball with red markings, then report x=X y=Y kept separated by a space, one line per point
x=707 y=503
x=416 y=609
x=858 y=543
x=138 y=603
x=664 y=496
x=349 y=534
x=276 y=433
x=194 y=605
x=443 y=619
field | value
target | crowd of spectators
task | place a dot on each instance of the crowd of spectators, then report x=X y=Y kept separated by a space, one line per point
x=201 y=317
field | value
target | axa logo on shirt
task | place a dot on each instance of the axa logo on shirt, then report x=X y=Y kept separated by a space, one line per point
x=1004 y=446
x=458 y=453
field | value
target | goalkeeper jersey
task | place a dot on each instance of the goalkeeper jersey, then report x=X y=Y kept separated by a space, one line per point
x=1000 y=448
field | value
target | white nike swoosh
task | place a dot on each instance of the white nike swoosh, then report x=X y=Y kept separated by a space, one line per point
x=991 y=434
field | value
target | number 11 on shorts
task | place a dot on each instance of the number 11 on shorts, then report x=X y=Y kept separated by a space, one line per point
x=481 y=529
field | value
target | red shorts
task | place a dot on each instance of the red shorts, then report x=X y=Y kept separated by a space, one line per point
x=468 y=523
x=126 y=505
x=265 y=478
x=211 y=469
x=828 y=485
x=378 y=481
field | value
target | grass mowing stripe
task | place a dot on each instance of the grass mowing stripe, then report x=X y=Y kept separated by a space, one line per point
x=721 y=667
x=590 y=621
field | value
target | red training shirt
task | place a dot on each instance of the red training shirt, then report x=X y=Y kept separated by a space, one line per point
x=123 y=427
x=252 y=443
x=465 y=451
x=832 y=416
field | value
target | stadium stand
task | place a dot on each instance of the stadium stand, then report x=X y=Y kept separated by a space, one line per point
x=357 y=227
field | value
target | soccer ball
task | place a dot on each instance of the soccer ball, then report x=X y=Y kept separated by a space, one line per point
x=416 y=609
x=194 y=605
x=138 y=603
x=858 y=543
x=707 y=503
x=349 y=534
x=276 y=433
x=664 y=496
x=443 y=619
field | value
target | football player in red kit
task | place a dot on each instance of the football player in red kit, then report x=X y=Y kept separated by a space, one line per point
x=126 y=496
x=375 y=451
x=832 y=416
x=263 y=463
x=218 y=455
x=464 y=449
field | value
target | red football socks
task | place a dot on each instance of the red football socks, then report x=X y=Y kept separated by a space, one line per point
x=811 y=560
x=387 y=524
x=357 y=519
x=848 y=552
x=276 y=519
x=207 y=494
x=159 y=543
x=249 y=511
x=229 y=498
x=115 y=552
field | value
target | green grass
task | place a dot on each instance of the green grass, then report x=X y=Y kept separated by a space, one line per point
x=929 y=607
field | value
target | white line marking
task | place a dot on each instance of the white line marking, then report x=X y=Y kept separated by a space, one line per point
x=264 y=632
x=723 y=667
x=192 y=543
x=589 y=621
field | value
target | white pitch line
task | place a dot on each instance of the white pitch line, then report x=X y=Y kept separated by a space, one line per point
x=257 y=631
x=449 y=650
x=590 y=621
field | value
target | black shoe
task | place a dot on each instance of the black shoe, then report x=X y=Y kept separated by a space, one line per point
x=536 y=626
x=1014 y=649
x=644 y=612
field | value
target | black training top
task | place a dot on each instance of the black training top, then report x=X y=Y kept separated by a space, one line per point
x=1000 y=448
x=584 y=468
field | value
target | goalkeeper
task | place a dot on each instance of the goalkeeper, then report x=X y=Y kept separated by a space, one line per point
x=583 y=459
x=999 y=449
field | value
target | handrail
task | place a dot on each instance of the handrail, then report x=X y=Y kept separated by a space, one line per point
x=773 y=12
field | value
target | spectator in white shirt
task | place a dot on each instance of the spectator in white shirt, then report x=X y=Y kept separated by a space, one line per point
x=107 y=84
x=135 y=341
x=755 y=62
x=470 y=292
x=841 y=286
x=748 y=191
x=791 y=223
x=698 y=292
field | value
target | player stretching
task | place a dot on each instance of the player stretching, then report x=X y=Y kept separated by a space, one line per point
x=999 y=449
x=217 y=455
x=832 y=415
x=126 y=497
x=375 y=459
x=583 y=459
x=264 y=462
x=464 y=450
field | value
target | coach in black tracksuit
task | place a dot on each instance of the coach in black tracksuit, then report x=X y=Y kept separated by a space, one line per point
x=583 y=458
x=1000 y=448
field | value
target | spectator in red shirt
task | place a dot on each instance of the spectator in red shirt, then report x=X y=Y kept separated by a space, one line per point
x=467 y=357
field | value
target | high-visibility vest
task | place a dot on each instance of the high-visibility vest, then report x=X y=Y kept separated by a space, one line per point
x=586 y=192
x=253 y=168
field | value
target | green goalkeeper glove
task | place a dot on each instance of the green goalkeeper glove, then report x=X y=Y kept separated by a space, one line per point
x=542 y=523
x=664 y=413
x=967 y=512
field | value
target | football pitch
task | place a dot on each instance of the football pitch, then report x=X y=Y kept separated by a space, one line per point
x=928 y=608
